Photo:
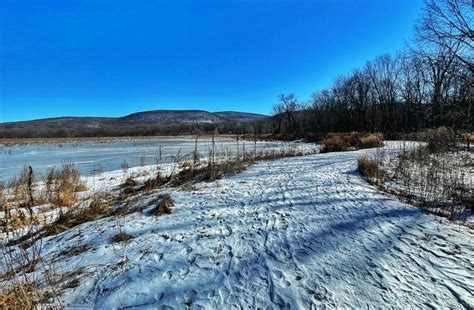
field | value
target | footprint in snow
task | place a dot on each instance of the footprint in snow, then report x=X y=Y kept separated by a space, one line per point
x=278 y=274
x=187 y=250
x=158 y=257
x=184 y=271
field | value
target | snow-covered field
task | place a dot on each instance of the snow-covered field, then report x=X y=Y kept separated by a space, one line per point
x=91 y=157
x=302 y=232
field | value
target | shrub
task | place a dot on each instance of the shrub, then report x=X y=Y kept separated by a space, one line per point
x=334 y=143
x=62 y=185
x=440 y=139
x=20 y=186
x=18 y=219
x=371 y=140
x=164 y=205
x=338 y=142
x=369 y=169
x=437 y=177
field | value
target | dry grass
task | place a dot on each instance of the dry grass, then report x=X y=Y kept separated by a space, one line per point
x=436 y=175
x=439 y=180
x=62 y=185
x=20 y=187
x=128 y=187
x=334 y=143
x=440 y=140
x=18 y=219
x=164 y=205
x=3 y=200
x=20 y=296
x=187 y=165
x=369 y=169
x=121 y=237
x=97 y=208
x=129 y=183
x=208 y=173
x=157 y=181
x=469 y=136
x=339 y=142
x=370 y=140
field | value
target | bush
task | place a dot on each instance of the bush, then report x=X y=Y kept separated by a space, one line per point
x=61 y=185
x=334 y=143
x=437 y=177
x=164 y=205
x=339 y=142
x=440 y=139
x=20 y=186
x=369 y=169
x=371 y=140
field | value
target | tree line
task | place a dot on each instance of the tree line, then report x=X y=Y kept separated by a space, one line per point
x=43 y=131
x=430 y=84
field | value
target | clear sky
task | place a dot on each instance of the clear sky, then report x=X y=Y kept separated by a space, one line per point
x=114 y=57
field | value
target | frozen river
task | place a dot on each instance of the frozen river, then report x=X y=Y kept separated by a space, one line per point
x=91 y=156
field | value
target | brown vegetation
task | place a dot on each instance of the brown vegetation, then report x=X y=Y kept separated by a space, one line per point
x=62 y=185
x=435 y=175
x=338 y=142
x=369 y=169
x=20 y=296
x=97 y=208
x=163 y=205
x=121 y=237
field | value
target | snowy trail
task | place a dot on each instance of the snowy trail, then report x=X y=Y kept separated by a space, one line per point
x=303 y=232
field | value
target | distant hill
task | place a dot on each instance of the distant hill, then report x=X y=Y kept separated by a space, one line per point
x=60 y=126
x=60 y=121
x=240 y=117
x=169 y=117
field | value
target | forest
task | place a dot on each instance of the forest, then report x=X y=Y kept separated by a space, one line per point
x=427 y=85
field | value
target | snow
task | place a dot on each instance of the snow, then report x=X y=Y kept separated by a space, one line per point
x=302 y=232
x=92 y=156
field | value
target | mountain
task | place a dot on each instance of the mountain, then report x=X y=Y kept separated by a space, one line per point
x=99 y=125
x=93 y=122
x=169 y=117
x=240 y=117
x=155 y=117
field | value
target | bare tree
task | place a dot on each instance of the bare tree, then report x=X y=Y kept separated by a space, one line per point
x=450 y=23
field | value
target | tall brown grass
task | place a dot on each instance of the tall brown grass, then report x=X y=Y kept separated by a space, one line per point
x=370 y=170
x=164 y=205
x=338 y=142
x=63 y=184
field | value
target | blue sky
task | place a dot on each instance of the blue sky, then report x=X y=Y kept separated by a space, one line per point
x=113 y=57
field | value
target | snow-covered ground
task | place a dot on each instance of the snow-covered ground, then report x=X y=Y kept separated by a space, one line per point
x=91 y=157
x=302 y=232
